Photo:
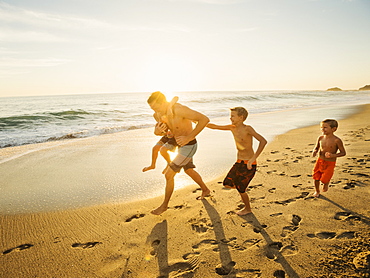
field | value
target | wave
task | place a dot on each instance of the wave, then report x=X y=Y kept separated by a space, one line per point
x=75 y=135
x=29 y=121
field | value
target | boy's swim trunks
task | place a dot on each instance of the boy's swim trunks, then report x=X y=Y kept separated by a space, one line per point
x=240 y=176
x=323 y=170
x=168 y=142
x=184 y=158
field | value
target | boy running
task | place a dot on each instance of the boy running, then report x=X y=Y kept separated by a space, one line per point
x=166 y=143
x=242 y=172
x=327 y=145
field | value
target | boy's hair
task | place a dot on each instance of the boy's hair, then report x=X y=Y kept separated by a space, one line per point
x=331 y=122
x=241 y=111
x=157 y=97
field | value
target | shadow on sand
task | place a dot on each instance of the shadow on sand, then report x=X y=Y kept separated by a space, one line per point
x=227 y=263
x=272 y=248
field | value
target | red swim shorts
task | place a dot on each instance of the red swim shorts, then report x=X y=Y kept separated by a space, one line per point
x=323 y=170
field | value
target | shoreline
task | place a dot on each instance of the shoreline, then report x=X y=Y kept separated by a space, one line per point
x=107 y=168
x=289 y=233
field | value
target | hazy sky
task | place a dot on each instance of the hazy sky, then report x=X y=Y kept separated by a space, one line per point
x=91 y=46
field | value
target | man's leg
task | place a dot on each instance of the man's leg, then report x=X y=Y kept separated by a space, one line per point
x=198 y=179
x=170 y=183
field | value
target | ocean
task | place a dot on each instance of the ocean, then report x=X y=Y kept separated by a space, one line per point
x=27 y=120
x=115 y=132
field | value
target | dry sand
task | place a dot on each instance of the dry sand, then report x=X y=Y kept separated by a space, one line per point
x=289 y=234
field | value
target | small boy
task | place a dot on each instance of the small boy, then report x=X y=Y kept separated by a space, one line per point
x=327 y=145
x=166 y=143
x=242 y=172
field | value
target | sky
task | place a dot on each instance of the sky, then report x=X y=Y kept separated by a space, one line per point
x=99 y=46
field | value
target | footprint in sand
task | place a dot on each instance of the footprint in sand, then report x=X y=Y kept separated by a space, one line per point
x=288 y=230
x=155 y=244
x=347 y=235
x=286 y=202
x=205 y=243
x=276 y=214
x=18 y=248
x=331 y=235
x=289 y=250
x=225 y=269
x=296 y=219
x=135 y=216
x=250 y=242
x=273 y=248
x=346 y=215
x=86 y=245
x=279 y=274
x=179 y=207
x=188 y=256
x=200 y=225
x=181 y=269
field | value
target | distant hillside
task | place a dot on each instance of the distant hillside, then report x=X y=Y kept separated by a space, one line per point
x=366 y=87
x=334 y=89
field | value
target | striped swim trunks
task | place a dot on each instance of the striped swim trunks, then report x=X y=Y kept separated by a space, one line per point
x=184 y=158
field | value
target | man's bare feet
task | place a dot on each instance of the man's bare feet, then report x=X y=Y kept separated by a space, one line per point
x=206 y=193
x=243 y=212
x=159 y=210
x=316 y=194
x=325 y=188
x=151 y=167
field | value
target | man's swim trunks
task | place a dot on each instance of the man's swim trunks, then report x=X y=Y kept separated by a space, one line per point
x=323 y=170
x=240 y=176
x=184 y=158
x=168 y=142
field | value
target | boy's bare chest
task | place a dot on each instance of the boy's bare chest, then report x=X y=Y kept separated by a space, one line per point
x=241 y=136
x=328 y=143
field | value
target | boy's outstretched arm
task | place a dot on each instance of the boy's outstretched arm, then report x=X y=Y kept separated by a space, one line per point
x=262 y=143
x=220 y=127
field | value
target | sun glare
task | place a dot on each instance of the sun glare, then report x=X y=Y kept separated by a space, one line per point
x=168 y=74
x=173 y=154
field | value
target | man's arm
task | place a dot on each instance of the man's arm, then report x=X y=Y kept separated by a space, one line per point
x=192 y=115
x=262 y=143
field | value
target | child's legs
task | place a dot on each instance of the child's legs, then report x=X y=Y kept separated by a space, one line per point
x=327 y=175
x=155 y=151
x=317 y=186
x=164 y=152
x=245 y=199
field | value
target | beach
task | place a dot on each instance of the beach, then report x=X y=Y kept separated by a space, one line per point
x=289 y=234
